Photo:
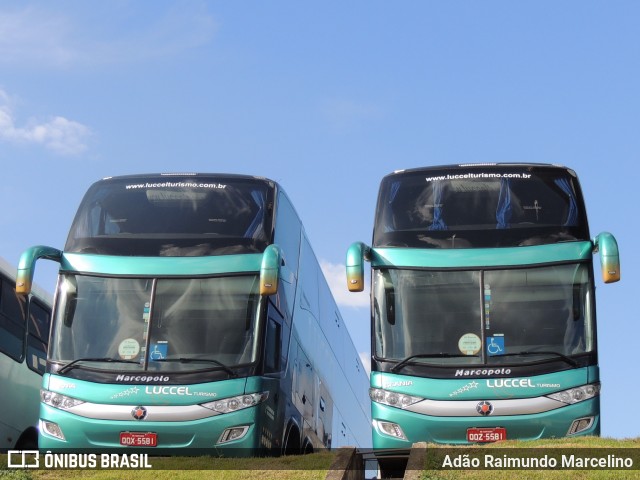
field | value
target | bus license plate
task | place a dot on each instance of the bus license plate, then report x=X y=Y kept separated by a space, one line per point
x=136 y=439
x=493 y=434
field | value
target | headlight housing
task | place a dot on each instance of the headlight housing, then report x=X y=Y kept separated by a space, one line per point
x=393 y=399
x=577 y=394
x=233 y=404
x=57 y=400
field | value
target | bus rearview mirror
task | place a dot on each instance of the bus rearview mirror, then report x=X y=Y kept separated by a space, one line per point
x=27 y=265
x=606 y=244
x=270 y=270
x=357 y=253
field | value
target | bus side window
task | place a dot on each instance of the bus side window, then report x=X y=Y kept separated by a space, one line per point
x=38 y=337
x=12 y=321
x=272 y=347
x=287 y=237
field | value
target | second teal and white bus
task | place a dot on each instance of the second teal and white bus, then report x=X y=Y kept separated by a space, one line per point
x=483 y=305
x=191 y=313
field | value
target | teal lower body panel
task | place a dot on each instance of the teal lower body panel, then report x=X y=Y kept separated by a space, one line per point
x=194 y=437
x=453 y=430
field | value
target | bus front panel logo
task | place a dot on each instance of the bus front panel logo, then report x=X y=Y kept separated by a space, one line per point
x=139 y=413
x=484 y=408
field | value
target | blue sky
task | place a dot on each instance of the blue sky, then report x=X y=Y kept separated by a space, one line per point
x=326 y=98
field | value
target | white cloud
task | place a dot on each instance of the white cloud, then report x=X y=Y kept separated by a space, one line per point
x=58 y=134
x=42 y=37
x=337 y=279
x=32 y=36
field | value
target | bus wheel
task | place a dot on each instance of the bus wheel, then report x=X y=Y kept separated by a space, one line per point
x=28 y=440
x=292 y=445
x=308 y=448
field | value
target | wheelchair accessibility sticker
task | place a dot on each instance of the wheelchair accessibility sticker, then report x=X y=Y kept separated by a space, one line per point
x=495 y=345
x=158 y=351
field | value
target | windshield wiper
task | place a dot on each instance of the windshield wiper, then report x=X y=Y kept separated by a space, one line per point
x=569 y=360
x=206 y=360
x=407 y=360
x=74 y=363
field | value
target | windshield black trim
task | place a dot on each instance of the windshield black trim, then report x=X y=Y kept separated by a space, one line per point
x=139 y=377
x=483 y=268
x=536 y=367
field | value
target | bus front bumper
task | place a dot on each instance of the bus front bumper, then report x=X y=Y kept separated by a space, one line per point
x=234 y=433
x=397 y=428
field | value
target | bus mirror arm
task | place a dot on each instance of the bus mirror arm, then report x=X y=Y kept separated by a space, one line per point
x=357 y=253
x=27 y=265
x=270 y=270
x=606 y=244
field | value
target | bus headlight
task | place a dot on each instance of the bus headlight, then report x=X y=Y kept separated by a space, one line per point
x=578 y=394
x=233 y=404
x=58 y=400
x=393 y=399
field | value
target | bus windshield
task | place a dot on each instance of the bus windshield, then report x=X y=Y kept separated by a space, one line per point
x=173 y=216
x=479 y=206
x=488 y=317
x=157 y=325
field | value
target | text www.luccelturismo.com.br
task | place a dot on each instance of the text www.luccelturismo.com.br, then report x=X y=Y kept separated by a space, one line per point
x=477 y=175
x=175 y=184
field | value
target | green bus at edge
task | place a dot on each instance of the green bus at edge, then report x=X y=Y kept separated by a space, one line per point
x=24 y=333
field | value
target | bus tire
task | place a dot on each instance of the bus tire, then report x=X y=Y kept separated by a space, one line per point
x=28 y=440
x=292 y=443
x=307 y=447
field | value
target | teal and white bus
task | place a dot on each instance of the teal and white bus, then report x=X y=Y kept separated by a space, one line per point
x=191 y=313
x=24 y=333
x=482 y=306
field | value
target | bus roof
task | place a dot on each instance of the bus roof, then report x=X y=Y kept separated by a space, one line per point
x=188 y=174
x=454 y=166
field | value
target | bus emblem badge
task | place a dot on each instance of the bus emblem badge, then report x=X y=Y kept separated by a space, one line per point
x=484 y=408
x=139 y=413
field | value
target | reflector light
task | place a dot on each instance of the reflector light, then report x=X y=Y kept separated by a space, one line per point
x=391 y=429
x=52 y=429
x=233 y=433
x=580 y=425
